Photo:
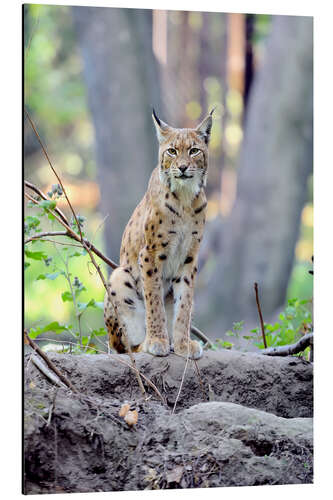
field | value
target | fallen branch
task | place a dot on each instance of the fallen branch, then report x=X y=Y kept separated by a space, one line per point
x=118 y=359
x=49 y=363
x=201 y=336
x=46 y=371
x=260 y=315
x=288 y=350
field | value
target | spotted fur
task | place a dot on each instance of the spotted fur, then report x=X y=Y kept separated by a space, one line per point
x=152 y=289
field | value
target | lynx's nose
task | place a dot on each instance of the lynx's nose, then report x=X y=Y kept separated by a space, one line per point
x=182 y=168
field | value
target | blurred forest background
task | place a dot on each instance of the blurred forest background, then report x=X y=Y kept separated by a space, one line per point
x=91 y=78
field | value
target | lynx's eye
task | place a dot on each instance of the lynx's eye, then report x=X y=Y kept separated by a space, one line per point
x=194 y=151
x=172 y=152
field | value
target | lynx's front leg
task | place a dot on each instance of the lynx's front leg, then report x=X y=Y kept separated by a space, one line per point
x=183 y=296
x=157 y=338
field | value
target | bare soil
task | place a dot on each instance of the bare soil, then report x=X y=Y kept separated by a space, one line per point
x=246 y=421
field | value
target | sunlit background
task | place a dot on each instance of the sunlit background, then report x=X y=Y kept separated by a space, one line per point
x=194 y=61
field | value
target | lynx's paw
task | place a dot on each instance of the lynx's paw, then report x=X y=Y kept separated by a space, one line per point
x=158 y=347
x=195 y=349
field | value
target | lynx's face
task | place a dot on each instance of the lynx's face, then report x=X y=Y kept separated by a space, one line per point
x=183 y=156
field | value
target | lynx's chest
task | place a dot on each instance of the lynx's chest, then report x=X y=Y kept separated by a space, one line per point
x=179 y=247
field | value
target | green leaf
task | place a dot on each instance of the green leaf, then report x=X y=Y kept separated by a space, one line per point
x=50 y=276
x=100 y=332
x=48 y=204
x=77 y=253
x=31 y=221
x=91 y=350
x=227 y=345
x=238 y=325
x=35 y=255
x=54 y=326
x=82 y=306
x=67 y=297
x=26 y=265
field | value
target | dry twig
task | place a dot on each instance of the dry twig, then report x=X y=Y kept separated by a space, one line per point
x=200 y=379
x=46 y=371
x=183 y=378
x=260 y=315
x=49 y=363
x=41 y=235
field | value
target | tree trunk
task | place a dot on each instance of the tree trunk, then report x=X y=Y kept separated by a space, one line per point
x=258 y=241
x=122 y=82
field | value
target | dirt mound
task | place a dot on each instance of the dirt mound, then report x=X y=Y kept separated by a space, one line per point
x=229 y=429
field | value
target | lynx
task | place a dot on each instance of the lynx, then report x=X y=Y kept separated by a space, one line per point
x=152 y=289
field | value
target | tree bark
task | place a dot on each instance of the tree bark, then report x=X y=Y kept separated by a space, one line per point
x=258 y=240
x=122 y=81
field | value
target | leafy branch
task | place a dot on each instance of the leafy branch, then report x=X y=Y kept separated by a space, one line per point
x=86 y=245
x=59 y=216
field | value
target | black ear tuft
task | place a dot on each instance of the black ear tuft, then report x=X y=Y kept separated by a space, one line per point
x=162 y=129
x=156 y=118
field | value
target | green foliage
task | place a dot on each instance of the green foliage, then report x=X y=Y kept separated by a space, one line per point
x=51 y=327
x=31 y=224
x=293 y=320
x=237 y=327
x=35 y=255
x=60 y=267
x=54 y=90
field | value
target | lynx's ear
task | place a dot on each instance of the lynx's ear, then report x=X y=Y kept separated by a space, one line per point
x=162 y=129
x=205 y=127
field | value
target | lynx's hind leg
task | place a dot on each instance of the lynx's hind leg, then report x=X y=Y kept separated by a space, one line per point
x=126 y=311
